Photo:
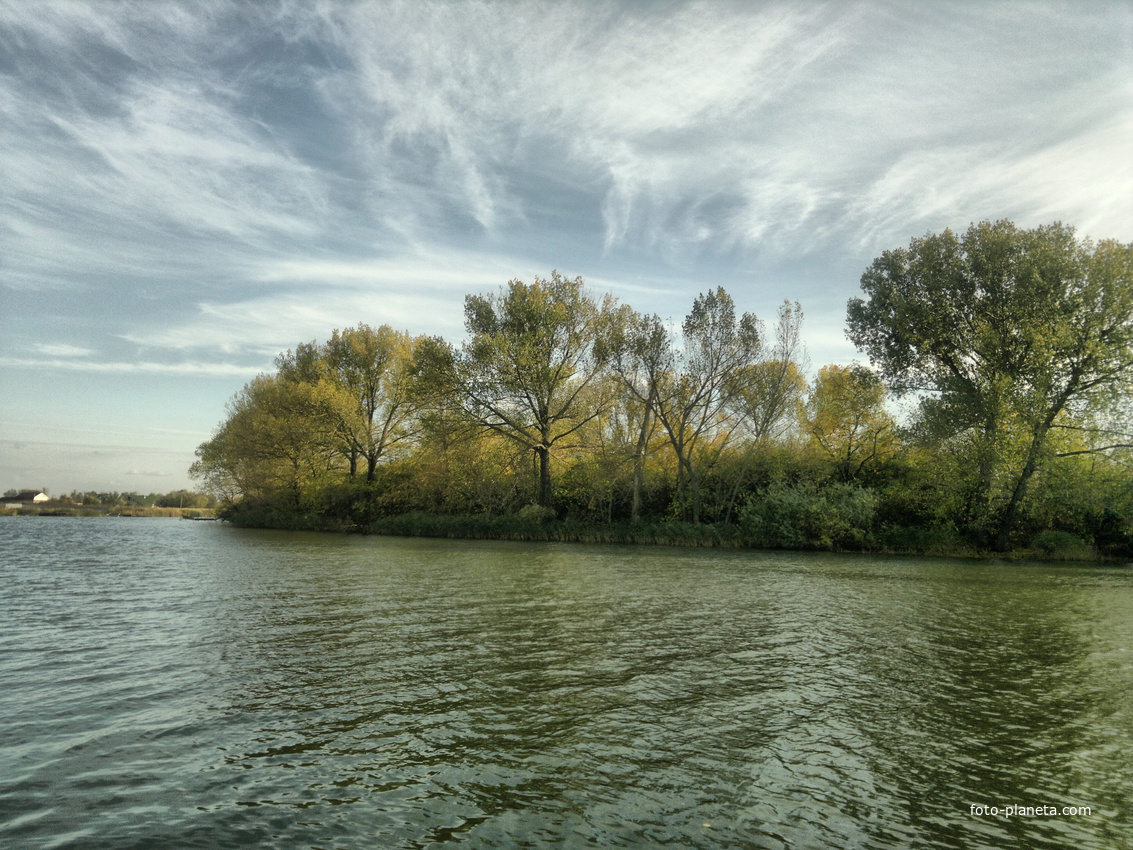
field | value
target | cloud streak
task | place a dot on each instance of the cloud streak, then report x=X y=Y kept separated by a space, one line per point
x=73 y=364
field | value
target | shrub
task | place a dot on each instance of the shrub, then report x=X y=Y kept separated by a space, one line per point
x=536 y=513
x=1062 y=544
x=808 y=516
x=940 y=539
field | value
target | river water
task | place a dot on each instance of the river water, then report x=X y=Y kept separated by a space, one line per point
x=184 y=684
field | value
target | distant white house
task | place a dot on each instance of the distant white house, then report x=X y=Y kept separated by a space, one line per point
x=25 y=497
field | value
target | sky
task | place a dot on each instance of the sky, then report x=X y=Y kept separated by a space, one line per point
x=189 y=188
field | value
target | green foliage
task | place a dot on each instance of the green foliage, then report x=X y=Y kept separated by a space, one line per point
x=942 y=539
x=806 y=516
x=1007 y=330
x=184 y=499
x=710 y=435
x=536 y=513
x=529 y=367
x=365 y=374
x=259 y=515
x=1060 y=544
x=846 y=421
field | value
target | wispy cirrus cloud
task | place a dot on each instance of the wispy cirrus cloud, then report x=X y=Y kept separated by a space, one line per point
x=74 y=364
x=646 y=110
x=705 y=127
x=63 y=350
x=131 y=154
x=723 y=127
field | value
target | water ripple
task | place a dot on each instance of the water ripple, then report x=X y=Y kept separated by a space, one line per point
x=187 y=684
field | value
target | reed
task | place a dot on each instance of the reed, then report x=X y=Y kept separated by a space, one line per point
x=479 y=527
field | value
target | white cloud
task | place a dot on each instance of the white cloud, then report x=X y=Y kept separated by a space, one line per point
x=127 y=367
x=142 y=166
x=1085 y=180
x=778 y=128
x=179 y=151
x=63 y=350
x=782 y=128
x=659 y=107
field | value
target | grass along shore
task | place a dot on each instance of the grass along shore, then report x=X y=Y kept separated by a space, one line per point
x=1066 y=548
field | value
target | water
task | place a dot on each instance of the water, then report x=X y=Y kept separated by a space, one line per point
x=180 y=684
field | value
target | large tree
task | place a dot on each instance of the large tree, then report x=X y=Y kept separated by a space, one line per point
x=277 y=445
x=1007 y=332
x=640 y=353
x=529 y=366
x=846 y=420
x=369 y=369
x=694 y=404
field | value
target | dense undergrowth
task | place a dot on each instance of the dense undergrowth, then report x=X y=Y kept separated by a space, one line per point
x=785 y=522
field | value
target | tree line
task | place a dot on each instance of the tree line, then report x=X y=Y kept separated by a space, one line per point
x=115 y=499
x=1011 y=348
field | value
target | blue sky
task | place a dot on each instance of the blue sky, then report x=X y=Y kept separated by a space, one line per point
x=189 y=188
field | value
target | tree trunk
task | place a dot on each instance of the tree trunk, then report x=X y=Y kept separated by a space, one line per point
x=1011 y=512
x=979 y=502
x=694 y=488
x=682 y=489
x=543 y=494
x=639 y=464
x=688 y=489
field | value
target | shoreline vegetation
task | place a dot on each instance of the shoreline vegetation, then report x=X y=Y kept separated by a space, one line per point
x=1055 y=548
x=515 y=528
x=563 y=415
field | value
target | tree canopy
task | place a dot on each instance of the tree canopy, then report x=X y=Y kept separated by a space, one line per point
x=1013 y=348
x=529 y=367
x=1007 y=331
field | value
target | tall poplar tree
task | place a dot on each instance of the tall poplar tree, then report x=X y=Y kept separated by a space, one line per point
x=694 y=405
x=640 y=352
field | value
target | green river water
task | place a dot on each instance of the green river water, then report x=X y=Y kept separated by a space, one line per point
x=182 y=684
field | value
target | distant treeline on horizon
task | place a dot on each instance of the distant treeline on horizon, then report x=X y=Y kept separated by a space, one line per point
x=172 y=499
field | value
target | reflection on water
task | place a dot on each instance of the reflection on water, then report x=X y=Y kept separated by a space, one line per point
x=189 y=684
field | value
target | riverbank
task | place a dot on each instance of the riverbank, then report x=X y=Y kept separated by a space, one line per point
x=1064 y=548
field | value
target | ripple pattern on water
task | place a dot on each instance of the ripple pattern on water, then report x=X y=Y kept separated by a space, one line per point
x=186 y=684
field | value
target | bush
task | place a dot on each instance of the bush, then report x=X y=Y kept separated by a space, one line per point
x=536 y=513
x=1113 y=534
x=940 y=539
x=808 y=516
x=1062 y=544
